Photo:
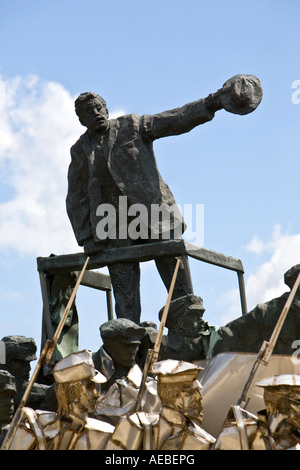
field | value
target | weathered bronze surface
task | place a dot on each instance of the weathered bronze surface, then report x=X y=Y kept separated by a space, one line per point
x=114 y=158
x=247 y=333
x=201 y=369
x=70 y=427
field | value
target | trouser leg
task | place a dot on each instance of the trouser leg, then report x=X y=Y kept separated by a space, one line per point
x=183 y=285
x=125 y=280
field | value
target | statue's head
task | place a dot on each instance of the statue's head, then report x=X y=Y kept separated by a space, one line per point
x=185 y=315
x=92 y=111
x=121 y=340
x=291 y=275
x=179 y=388
x=282 y=398
x=19 y=351
x=77 y=383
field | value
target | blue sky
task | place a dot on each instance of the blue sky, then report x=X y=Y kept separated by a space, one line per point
x=146 y=57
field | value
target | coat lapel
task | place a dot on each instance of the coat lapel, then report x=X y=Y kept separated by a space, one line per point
x=88 y=148
x=113 y=132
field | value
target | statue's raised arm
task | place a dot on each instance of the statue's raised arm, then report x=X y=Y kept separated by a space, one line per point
x=240 y=94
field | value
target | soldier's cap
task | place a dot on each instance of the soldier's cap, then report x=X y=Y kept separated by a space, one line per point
x=246 y=94
x=148 y=324
x=75 y=367
x=123 y=330
x=172 y=371
x=181 y=305
x=151 y=333
x=280 y=380
x=20 y=347
x=291 y=275
x=7 y=381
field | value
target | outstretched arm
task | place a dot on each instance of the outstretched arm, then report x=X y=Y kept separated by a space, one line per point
x=240 y=94
x=180 y=120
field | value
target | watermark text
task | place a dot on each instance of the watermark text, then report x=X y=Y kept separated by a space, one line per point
x=157 y=222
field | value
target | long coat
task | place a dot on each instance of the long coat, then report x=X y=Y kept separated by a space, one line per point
x=131 y=163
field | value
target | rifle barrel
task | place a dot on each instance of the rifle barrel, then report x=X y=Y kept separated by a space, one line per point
x=158 y=339
x=152 y=354
x=46 y=355
x=267 y=347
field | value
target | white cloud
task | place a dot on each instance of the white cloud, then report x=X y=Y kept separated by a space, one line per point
x=256 y=245
x=231 y=306
x=37 y=128
x=265 y=282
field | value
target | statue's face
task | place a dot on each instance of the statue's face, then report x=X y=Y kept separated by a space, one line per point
x=183 y=398
x=88 y=395
x=189 y=402
x=122 y=353
x=191 y=324
x=293 y=414
x=94 y=115
x=6 y=405
x=284 y=402
x=19 y=368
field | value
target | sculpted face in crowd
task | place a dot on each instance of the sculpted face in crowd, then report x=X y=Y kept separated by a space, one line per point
x=183 y=397
x=7 y=394
x=77 y=398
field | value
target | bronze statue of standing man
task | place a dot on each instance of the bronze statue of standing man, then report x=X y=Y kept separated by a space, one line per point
x=114 y=159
